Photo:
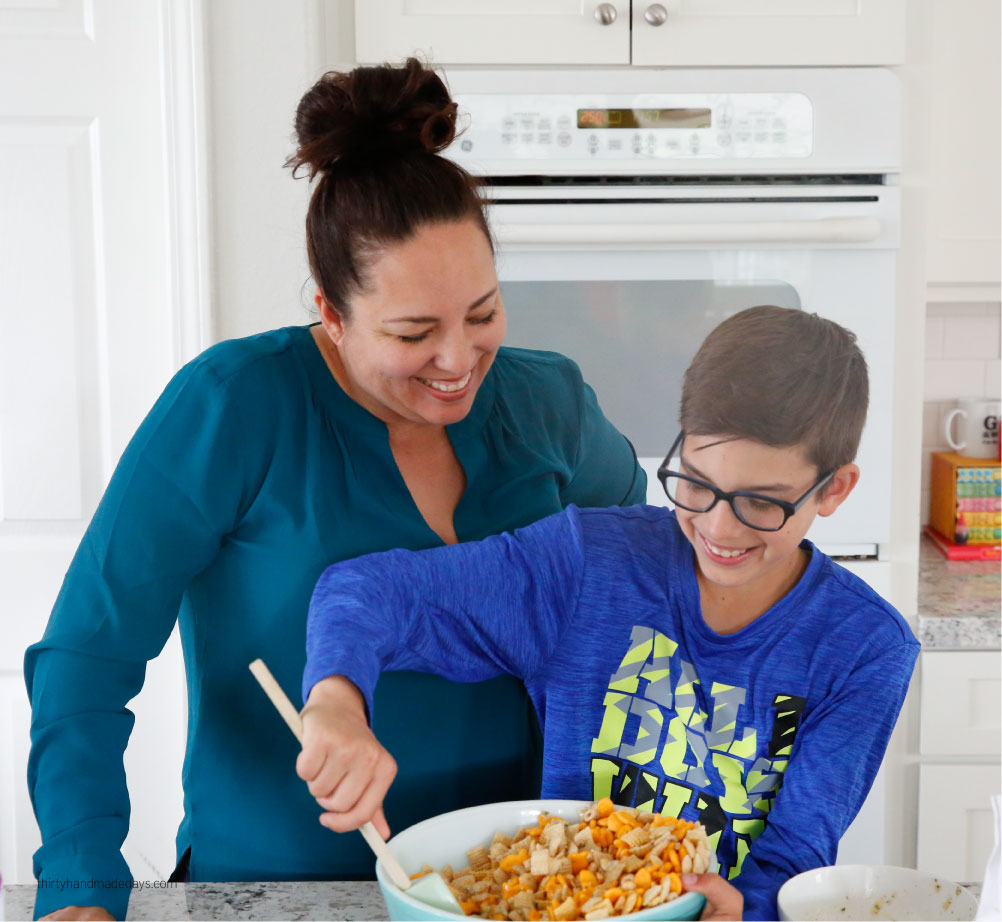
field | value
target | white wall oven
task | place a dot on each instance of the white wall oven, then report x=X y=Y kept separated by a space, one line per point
x=635 y=210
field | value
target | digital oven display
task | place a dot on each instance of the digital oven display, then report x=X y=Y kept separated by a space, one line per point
x=643 y=118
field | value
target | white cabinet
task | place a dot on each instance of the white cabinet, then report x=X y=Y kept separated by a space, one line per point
x=670 y=33
x=961 y=714
x=960 y=771
x=696 y=33
x=955 y=819
x=964 y=179
x=493 y=31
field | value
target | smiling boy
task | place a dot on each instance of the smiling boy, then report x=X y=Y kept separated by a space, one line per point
x=707 y=662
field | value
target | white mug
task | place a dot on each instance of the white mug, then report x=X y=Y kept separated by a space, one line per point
x=979 y=428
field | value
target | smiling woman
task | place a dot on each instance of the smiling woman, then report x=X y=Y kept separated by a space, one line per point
x=416 y=351
x=422 y=336
x=397 y=421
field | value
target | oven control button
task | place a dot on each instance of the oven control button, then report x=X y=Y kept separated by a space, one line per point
x=526 y=138
x=508 y=124
x=694 y=143
x=507 y=138
x=545 y=125
x=545 y=137
x=615 y=143
x=724 y=139
x=564 y=139
x=563 y=123
x=527 y=123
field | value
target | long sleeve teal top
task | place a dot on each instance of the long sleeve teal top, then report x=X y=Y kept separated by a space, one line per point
x=252 y=473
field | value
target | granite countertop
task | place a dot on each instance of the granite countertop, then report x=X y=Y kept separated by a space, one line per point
x=958 y=602
x=348 y=900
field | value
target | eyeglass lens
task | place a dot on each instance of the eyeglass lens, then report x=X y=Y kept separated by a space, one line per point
x=759 y=513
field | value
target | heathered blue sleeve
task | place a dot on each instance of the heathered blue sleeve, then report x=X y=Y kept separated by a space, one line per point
x=467 y=612
x=607 y=471
x=834 y=760
x=175 y=492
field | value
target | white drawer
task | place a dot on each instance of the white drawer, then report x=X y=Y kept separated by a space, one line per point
x=961 y=713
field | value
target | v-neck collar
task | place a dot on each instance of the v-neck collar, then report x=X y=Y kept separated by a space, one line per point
x=465 y=435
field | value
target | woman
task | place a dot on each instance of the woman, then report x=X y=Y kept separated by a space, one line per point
x=394 y=422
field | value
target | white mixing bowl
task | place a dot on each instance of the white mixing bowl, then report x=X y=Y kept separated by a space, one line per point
x=445 y=839
x=863 y=891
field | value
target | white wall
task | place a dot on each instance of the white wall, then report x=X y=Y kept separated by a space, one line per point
x=263 y=55
x=962 y=352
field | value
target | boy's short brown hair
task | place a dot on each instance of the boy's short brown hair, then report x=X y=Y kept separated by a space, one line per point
x=781 y=377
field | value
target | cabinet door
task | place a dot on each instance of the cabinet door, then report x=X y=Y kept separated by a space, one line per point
x=955 y=834
x=964 y=182
x=770 y=33
x=960 y=703
x=493 y=31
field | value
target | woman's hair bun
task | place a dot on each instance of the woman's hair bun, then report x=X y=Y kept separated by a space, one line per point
x=370 y=114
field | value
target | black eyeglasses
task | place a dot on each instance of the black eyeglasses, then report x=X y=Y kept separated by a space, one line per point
x=763 y=513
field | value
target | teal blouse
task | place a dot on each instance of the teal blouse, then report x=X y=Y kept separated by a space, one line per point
x=252 y=473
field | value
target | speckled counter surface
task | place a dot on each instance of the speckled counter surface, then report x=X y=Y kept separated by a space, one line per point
x=347 y=900
x=958 y=602
x=279 y=901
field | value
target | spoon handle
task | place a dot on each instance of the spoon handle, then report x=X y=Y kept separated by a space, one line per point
x=291 y=716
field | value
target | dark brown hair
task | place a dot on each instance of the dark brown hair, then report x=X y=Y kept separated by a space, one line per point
x=781 y=377
x=374 y=135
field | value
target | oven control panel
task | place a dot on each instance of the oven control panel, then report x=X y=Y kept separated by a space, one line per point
x=647 y=127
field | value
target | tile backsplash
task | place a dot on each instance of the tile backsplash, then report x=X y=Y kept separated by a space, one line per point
x=962 y=355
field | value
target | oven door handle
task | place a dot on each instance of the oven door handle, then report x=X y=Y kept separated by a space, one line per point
x=655 y=236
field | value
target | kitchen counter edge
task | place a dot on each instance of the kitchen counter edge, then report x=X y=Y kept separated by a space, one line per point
x=958 y=602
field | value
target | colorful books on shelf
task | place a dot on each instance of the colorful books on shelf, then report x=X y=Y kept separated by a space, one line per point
x=953 y=551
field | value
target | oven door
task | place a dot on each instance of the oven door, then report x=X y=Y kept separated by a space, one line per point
x=629 y=288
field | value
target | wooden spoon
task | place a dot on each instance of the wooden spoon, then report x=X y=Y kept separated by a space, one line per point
x=430 y=888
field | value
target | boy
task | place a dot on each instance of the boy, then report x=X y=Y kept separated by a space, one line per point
x=706 y=662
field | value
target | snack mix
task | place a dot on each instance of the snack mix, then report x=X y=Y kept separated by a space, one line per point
x=615 y=861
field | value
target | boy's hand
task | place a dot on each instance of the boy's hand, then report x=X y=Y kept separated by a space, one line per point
x=342 y=762
x=723 y=900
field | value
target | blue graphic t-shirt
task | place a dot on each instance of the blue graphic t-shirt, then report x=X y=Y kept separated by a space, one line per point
x=770 y=737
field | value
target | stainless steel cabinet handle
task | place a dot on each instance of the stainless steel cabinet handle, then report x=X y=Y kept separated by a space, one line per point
x=656 y=14
x=605 y=13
